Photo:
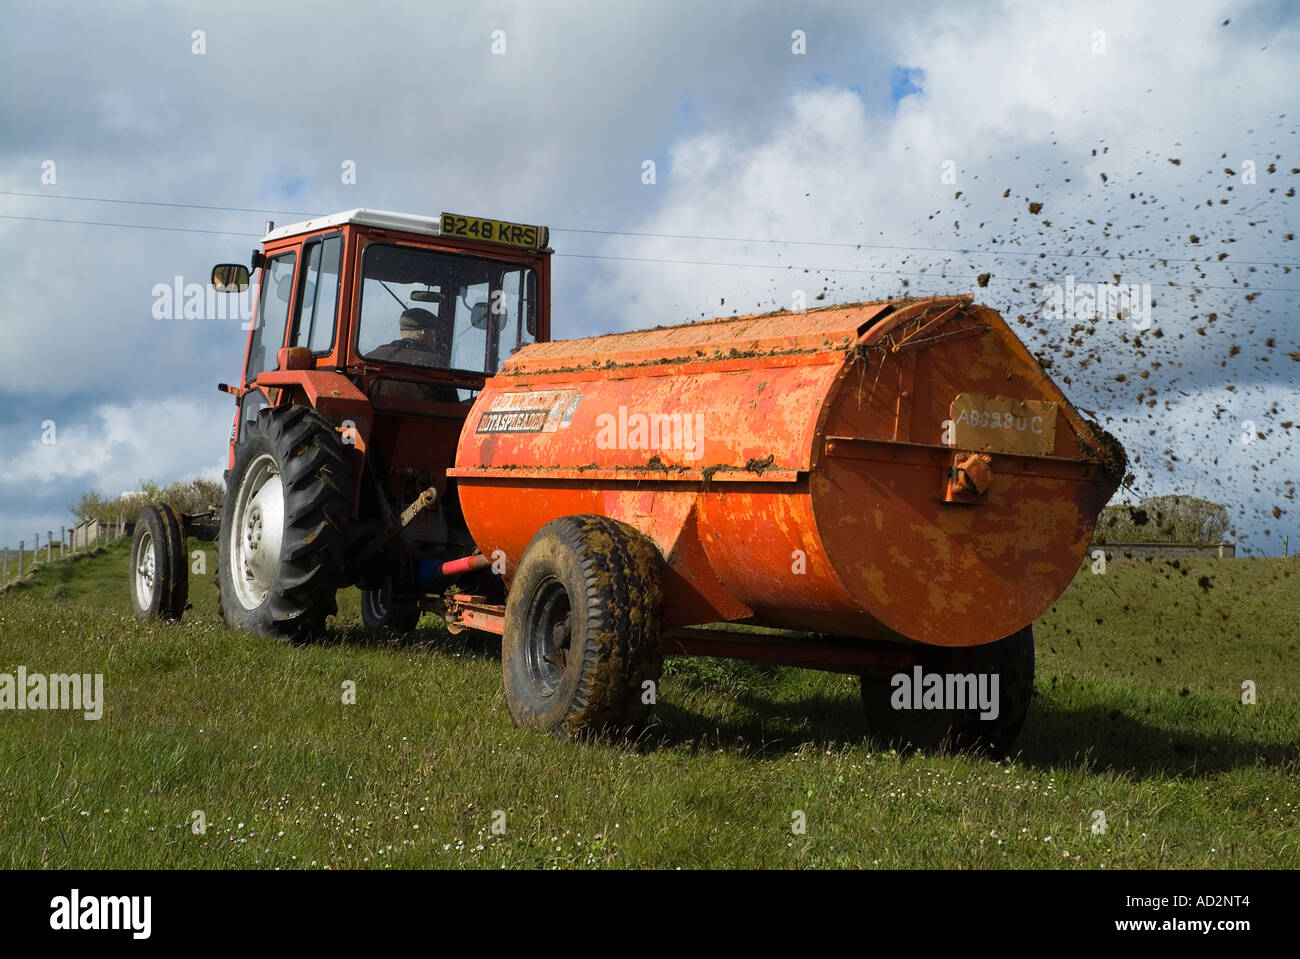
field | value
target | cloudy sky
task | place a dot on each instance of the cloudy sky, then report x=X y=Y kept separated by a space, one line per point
x=832 y=148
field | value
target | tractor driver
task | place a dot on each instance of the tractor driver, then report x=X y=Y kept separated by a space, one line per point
x=425 y=340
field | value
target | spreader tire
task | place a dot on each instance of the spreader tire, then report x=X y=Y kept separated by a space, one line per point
x=1010 y=659
x=281 y=553
x=160 y=582
x=582 y=646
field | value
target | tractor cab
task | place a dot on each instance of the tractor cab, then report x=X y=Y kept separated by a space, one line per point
x=396 y=298
x=384 y=326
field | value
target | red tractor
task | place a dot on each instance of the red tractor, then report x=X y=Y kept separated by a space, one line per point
x=893 y=489
x=372 y=334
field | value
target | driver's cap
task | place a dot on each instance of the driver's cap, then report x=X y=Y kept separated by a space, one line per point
x=417 y=319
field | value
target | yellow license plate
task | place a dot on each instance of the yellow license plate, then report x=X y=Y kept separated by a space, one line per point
x=494 y=231
x=1004 y=425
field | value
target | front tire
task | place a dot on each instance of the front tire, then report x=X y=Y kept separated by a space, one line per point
x=282 y=525
x=581 y=651
x=160 y=582
x=1010 y=659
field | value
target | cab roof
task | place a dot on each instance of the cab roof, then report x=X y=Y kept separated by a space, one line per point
x=385 y=219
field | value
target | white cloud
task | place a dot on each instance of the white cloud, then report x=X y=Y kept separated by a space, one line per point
x=114 y=446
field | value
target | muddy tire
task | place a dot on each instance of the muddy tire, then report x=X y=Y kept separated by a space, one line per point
x=379 y=612
x=282 y=543
x=160 y=580
x=583 y=629
x=1011 y=659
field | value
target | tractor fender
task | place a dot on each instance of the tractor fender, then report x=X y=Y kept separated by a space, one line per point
x=336 y=398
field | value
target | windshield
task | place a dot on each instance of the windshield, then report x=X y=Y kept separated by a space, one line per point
x=443 y=310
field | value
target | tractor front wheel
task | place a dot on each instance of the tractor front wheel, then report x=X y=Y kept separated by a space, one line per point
x=581 y=651
x=282 y=525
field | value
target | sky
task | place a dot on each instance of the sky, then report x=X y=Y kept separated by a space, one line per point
x=836 y=150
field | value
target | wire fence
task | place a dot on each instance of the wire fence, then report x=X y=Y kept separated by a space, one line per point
x=21 y=562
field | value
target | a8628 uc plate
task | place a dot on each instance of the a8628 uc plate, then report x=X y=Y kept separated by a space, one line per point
x=1003 y=424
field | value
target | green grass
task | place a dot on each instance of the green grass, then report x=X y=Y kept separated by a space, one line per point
x=1137 y=714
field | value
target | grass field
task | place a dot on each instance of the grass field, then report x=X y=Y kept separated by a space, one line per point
x=1137 y=715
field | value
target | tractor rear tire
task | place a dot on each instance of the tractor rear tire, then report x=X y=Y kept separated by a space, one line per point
x=582 y=648
x=379 y=612
x=960 y=730
x=160 y=580
x=282 y=544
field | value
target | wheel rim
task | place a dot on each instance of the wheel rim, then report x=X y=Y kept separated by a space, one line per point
x=378 y=598
x=144 y=571
x=257 y=532
x=549 y=636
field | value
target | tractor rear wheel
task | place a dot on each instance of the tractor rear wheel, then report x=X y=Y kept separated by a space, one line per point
x=160 y=581
x=282 y=525
x=581 y=652
x=1011 y=660
x=378 y=611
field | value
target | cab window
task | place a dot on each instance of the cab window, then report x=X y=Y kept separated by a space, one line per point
x=316 y=314
x=437 y=310
x=272 y=314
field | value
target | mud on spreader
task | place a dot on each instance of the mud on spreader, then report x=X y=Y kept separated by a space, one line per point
x=895 y=490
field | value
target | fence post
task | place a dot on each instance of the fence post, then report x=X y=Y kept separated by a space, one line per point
x=20 y=559
x=6 y=582
x=49 y=545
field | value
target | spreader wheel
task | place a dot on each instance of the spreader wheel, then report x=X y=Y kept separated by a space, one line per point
x=581 y=651
x=900 y=716
x=160 y=581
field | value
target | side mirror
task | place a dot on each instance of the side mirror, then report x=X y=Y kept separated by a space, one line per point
x=230 y=277
x=478 y=317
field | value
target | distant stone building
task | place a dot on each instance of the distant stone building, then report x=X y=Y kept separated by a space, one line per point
x=88 y=532
x=1163 y=550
